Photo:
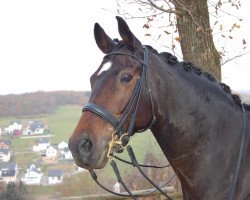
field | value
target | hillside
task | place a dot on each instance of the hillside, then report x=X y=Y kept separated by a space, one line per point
x=39 y=102
x=61 y=123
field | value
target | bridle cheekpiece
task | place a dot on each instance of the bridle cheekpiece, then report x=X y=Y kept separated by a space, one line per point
x=120 y=136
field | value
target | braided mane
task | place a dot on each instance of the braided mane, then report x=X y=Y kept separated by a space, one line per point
x=188 y=66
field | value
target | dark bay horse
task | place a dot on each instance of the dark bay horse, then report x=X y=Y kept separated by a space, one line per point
x=200 y=126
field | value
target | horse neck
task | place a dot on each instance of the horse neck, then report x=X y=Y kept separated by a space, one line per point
x=196 y=125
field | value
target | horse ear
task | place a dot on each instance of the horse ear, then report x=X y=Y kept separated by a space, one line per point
x=103 y=41
x=128 y=37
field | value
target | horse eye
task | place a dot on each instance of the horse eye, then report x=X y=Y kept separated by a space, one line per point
x=126 y=78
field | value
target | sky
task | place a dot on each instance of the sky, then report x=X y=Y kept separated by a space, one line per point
x=48 y=45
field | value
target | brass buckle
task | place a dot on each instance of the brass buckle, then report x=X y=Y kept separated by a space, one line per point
x=114 y=141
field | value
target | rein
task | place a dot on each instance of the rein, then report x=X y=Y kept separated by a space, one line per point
x=120 y=137
x=237 y=171
x=135 y=163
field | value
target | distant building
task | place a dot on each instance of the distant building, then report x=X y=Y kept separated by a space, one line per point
x=66 y=154
x=8 y=172
x=55 y=176
x=62 y=145
x=32 y=166
x=4 y=155
x=117 y=187
x=51 y=152
x=15 y=125
x=34 y=128
x=33 y=175
x=5 y=144
x=41 y=144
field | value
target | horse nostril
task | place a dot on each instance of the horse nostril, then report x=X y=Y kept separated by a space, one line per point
x=85 y=146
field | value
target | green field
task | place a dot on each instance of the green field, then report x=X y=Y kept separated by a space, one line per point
x=63 y=121
x=61 y=124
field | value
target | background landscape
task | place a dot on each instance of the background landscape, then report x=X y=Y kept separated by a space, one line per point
x=60 y=111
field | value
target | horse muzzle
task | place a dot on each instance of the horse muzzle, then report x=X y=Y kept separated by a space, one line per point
x=86 y=153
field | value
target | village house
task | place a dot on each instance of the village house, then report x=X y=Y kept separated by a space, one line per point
x=8 y=172
x=51 y=152
x=33 y=175
x=15 y=125
x=62 y=145
x=5 y=144
x=117 y=187
x=55 y=176
x=4 y=155
x=34 y=128
x=41 y=144
x=66 y=154
x=33 y=166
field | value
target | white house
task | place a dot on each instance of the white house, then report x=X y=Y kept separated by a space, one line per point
x=32 y=166
x=41 y=144
x=66 y=153
x=32 y=177
x=33 y=174
x=4 y=155
x=34 y=128
x=15 y=125
x=39 y=131
x=51 y=152
x=55 y=176
x=62 y=145
x=117 y=187
x=27 y=131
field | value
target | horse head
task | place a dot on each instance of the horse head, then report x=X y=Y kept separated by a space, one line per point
x=118 y=91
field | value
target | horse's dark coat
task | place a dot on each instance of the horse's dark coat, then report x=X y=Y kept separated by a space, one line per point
x=199 y=122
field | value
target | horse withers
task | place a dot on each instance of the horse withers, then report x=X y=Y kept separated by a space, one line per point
x=201 y=127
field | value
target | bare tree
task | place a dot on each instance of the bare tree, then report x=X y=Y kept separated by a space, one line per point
x=188 y=22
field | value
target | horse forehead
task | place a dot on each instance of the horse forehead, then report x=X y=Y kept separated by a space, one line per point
x=105 y=67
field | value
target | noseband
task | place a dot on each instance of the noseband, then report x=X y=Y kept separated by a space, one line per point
x=121 y=136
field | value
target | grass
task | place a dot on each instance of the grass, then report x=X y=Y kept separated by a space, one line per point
x=22 y=159
x=22 y=145
x=61 y=123
x=4 y=121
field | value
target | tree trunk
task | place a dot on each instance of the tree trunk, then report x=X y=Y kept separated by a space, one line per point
x=196 y=36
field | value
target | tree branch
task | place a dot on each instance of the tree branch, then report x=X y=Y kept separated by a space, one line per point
x=162 y=9
x=237 y=56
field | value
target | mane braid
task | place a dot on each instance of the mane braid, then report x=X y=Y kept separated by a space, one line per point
x=189 y=66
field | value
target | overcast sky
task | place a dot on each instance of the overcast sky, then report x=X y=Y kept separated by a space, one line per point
x=49 y=44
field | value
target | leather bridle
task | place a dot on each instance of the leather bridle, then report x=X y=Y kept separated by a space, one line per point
x=121 y=136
